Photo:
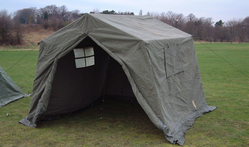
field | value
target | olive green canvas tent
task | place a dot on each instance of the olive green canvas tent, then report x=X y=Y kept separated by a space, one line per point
x=125 y=55
x=9 y=91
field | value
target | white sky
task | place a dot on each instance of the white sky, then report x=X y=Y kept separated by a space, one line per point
x=217 y=9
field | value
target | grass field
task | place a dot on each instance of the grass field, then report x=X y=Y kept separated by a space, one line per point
x=116 y=123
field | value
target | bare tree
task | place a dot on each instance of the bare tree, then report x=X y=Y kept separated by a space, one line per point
x=5 y=27
x=173 y=19
x=241 y=31
x=191 y=17
x=18 y=34
x=23 y=16
x=208 y=34
x=163 y=17
x=232 y=29
x=179 y=21
x=140 y=13
x=75 y=14
x=199 y=28
x=51 y=10
x=190 y=24
x=95 y=11
x=218 y=31
x=63 y=12
x=246 y=27
x=10 y=32
x=155 y=15
x=56 y=17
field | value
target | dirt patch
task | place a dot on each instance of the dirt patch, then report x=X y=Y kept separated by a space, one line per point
x=34 y=34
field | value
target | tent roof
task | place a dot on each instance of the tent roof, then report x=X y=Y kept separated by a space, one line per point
x=125 y=27
x=145 y=28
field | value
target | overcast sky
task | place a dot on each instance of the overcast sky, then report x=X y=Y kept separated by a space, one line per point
x=217 y=9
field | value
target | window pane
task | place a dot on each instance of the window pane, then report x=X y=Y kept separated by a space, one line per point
x=89 y=61
x=89 y=51
x=79 y=52
x=80 y=63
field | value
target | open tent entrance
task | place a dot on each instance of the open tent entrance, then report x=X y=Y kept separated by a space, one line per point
x=84 y=75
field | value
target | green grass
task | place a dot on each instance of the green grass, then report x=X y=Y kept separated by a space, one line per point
x=6 y=48
x=227 y=88
x=20 y=66
x=123 y=124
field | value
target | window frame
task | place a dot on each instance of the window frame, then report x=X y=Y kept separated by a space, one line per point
x=84 y=58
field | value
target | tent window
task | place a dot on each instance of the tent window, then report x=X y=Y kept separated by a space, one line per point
x=84 y=57
x=173 y=60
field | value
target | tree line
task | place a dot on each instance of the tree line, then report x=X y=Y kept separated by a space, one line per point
x=11 y=25
x=49 y=16
x=234 y=30
x=56 y=17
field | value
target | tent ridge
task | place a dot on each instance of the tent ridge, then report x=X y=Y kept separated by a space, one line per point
x=92 y=15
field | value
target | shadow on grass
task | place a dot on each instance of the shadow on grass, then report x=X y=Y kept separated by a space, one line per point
x=112 y=123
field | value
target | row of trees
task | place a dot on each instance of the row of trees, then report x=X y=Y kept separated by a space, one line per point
x=96 y=11
x=11 y=25
x=205 y=29
x=49 y=16
x=57 y=17
x=53 y=16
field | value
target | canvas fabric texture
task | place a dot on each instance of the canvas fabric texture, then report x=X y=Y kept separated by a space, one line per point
x=9 y=91
x=158 y=60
